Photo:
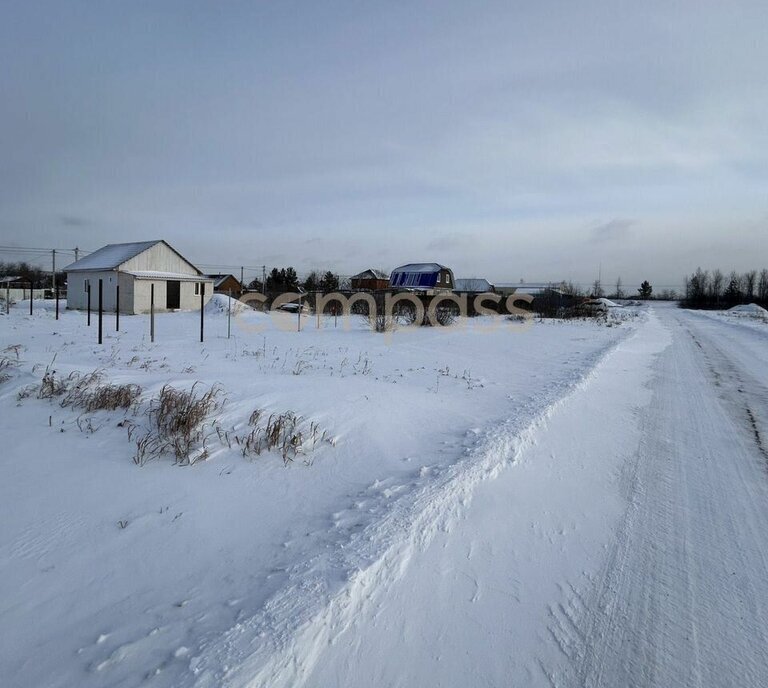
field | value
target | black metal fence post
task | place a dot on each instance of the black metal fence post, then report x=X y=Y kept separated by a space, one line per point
x=56 y=290
x=31 y=295
x=229 y=315
x=152 y=313
x=101 y=309
x=202 y=310
x=89 y=302
x=117 y=308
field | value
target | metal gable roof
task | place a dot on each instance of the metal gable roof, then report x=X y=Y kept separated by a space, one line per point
x=219 y=278
x=371 y=273
x=472 y=284
x=111 y=256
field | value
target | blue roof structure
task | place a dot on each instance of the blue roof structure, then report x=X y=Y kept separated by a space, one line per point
x=416 y=275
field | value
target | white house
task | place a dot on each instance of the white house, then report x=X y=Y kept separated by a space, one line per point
x=136 y=268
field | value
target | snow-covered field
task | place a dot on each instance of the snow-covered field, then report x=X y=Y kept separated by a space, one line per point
x=493 y=503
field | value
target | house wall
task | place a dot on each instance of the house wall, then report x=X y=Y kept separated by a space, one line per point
x=127 y=295
x=370 y=284
x=231 y=283
x=160 y=258
x=444 y=279
x=77 y=297
x=188 y=299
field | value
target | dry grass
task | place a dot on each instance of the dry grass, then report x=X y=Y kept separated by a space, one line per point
x=84 y=391
x=381 y=322
x=7 y=365
x=178 y=416
x=286 y=433
x=177 y=425
x=109 y=397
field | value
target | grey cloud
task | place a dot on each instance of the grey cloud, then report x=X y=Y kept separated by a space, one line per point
x=488 y=136
x=609 y=231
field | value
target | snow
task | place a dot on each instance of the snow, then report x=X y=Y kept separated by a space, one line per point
x=111 y=256
x=160 y=275
x=223 y=304
x=751 y=310
x=500 y=504
x=419 y=268
x=607 y=303
x=472 y=284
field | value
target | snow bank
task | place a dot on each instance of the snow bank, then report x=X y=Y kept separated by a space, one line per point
x=220 y=303
x=750 y=310
x=605 y=302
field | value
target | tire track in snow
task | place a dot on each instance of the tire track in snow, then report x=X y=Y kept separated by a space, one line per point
x=281 y=644
x=682 y=597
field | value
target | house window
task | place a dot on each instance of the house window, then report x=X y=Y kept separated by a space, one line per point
x=197 y=288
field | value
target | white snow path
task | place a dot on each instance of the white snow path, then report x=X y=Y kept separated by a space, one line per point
x=628 y=547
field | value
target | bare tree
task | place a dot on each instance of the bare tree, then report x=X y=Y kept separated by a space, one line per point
x=762 y=286
x=716 y=286
x=749 y=280
x=619 y=288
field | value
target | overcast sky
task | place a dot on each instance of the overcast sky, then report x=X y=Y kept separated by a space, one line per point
x=508 y=140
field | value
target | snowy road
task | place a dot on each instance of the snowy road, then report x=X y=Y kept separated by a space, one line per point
x=682 y=599
x=626 y=546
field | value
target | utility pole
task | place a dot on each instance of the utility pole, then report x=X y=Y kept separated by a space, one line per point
x=263 y=279
x=242 y=276
x=77 y=254
x=53 y=269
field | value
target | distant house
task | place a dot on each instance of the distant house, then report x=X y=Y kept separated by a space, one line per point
x=370 y=280
x=422 y=277
x=225 y=284
x=548 y=297
x=532 y=288
x=137 y=267
x=472 y=286
x=14 y=289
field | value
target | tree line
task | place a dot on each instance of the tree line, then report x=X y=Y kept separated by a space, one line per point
x=597 y=291
x=29 y=274
x=705 y=289
x=280 y=280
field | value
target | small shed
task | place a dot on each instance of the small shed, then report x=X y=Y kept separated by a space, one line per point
x=224 y=284
x=137 y=267
x=370 y=280
x=472 y=285
x=422 y=277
